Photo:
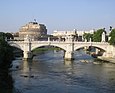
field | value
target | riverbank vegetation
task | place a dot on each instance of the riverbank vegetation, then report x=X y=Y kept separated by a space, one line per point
x=6 y=57
x=6 y=52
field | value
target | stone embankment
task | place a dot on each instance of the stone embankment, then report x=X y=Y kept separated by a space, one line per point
x=112 y=60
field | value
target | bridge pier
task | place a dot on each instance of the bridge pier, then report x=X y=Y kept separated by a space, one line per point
x=68 y=55
x=27 y=55
x=27 y=48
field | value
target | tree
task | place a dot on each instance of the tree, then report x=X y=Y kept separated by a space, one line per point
x=6 y=35
x=112 y=35
x=88 y=36
x=9 y=35
x=2 y=35
x=6 y=52
x=98 y=35
x=6 y=56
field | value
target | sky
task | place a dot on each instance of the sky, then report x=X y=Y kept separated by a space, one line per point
x=57 y=14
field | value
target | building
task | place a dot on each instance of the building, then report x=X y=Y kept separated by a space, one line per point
x=32 y=29
x=78 y=35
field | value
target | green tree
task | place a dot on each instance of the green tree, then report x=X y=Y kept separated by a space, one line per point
x=9 y=35
x=112 y=35
x=87 y=36
x=6 y=55
x=98 y=35
x=2 y=35
x=6 y=52
x=6 y=35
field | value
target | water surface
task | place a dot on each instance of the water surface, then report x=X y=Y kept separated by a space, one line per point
x=49 y=73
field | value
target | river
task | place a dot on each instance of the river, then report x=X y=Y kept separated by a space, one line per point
x=49 y=73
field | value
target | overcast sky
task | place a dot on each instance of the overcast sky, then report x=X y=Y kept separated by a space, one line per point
x=57 y=14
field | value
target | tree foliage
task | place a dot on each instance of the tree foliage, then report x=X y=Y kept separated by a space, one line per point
x=112 y=37
x=6 y=35
x=2 y=35
x=98 y=35
x=6 y=52
x=9 y=36
x=88 y=36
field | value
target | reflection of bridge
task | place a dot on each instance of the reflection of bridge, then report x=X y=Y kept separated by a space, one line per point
x=69 y=46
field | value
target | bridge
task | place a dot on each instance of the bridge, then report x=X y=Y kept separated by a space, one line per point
x=69 y=46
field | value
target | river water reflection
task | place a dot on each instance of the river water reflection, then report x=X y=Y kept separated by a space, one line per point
x=49 y=73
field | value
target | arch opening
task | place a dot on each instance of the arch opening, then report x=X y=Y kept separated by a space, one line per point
x=52 y=51
x=48 y=46
x=17 y=52
x=93 y=51
x=15 y=45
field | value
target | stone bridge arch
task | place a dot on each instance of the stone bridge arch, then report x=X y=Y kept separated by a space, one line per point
x=14 y=44
x=42 y=45
x=82 y=46
x=66 y=46
x=96 y=45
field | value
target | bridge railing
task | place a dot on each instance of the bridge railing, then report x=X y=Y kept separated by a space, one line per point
x=56 y=41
